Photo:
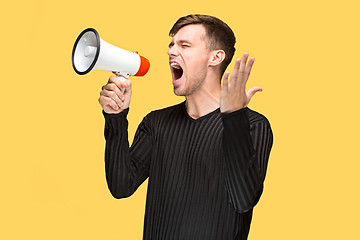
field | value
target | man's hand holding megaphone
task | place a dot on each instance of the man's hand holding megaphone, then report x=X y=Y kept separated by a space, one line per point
x=112 y=100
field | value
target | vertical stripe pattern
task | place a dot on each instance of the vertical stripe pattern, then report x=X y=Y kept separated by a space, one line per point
x=205 y=174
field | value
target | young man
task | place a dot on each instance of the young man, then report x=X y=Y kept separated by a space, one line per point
x=206 y=157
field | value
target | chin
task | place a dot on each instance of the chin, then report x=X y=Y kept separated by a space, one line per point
x=178 y=92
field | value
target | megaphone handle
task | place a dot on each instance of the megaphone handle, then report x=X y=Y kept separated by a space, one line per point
x=122 y=79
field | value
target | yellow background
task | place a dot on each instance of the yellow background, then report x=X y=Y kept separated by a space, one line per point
x=52 y=168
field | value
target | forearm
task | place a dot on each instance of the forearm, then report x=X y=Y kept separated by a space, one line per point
x=245 y=158
x=117 y=154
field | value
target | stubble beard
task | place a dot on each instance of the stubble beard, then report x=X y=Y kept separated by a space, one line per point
x=190 y=90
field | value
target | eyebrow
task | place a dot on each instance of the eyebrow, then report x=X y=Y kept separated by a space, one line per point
x=180 y=42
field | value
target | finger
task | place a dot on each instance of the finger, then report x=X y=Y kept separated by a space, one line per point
x=114 y=88
x=226 y=81
x=112 y=95
x=248 y=68
x=234 y=74
x=105 y=101
x=250 y=93
x=127 y=85
x=115 y=80
x=243 y=63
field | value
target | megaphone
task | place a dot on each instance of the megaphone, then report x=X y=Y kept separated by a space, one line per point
x=90 y=52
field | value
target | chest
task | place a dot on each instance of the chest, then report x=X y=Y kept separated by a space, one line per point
x=191 y=148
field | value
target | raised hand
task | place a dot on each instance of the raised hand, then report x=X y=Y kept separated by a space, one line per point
x=233 y=96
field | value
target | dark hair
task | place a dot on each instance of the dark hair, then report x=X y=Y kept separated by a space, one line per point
x=219 y=34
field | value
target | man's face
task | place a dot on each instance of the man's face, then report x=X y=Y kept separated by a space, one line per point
x=188 y=58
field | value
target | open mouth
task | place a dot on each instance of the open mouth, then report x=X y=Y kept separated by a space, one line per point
x=177 y=70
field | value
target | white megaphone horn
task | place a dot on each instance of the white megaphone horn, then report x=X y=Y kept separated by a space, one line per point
x=90 y=52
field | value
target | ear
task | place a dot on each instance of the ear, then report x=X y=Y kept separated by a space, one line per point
x=216 y=58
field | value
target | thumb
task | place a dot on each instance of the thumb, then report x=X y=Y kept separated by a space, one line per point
x=126 y=85
x=250 y=93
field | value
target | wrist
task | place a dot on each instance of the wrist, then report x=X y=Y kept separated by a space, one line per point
x=115 y=114
x=231 y=109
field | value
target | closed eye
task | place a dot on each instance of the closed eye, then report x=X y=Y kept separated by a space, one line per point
x=181 y=43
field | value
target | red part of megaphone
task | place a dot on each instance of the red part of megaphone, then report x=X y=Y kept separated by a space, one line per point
x=144 y=66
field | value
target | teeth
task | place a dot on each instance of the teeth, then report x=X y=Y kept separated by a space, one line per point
x=175 y=65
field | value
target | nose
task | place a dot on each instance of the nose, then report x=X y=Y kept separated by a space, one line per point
x=173 y=51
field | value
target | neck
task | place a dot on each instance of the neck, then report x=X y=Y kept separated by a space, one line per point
x=205 y=100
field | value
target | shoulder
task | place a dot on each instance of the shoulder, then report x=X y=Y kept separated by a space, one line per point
x=260 y=128
x=256 y=118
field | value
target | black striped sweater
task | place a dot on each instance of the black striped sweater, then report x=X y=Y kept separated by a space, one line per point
x=205 y=174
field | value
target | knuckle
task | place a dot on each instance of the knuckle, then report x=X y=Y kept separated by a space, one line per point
x=112 y=79
x=102 y=101
x=111 y=86
x=112 y=95
x=109 y=101
x=113 y=104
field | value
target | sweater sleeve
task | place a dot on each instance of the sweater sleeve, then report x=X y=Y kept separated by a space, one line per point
x=246 y=151
x=126 y=168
